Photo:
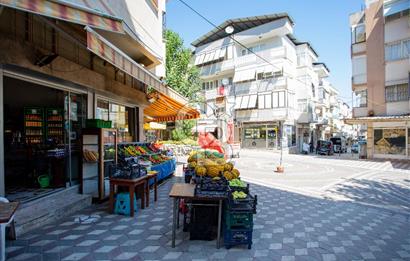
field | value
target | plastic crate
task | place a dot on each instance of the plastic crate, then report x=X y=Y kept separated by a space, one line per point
x=236 y=188
x=247 y=204
x=238 y=220
x=95 y=123
x=234 y=237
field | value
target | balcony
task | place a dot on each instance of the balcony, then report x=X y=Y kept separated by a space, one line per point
x=259 y=86
x=269 y=55
x=360 y=112
x=358 y=48
x=215 y=68
x=257 y=115
x=359 y=79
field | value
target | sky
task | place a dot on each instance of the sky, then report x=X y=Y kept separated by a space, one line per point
x=323 y=23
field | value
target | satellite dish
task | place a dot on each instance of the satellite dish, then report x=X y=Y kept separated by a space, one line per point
x=229 y=29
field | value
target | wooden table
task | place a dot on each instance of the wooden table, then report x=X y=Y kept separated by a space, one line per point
x=7 y=211
x=154 y=176
x=131 y=184
x=187 y=191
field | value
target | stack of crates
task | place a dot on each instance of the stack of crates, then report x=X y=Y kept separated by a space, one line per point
x=238 y=219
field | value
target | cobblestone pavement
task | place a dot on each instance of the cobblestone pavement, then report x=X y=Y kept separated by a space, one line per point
x=288 y=226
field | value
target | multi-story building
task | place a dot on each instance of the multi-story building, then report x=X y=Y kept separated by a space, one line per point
x=380 y=54
x=62 y=63
x=263 y=83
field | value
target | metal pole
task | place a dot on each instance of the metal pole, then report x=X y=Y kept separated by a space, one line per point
x=218 y=239
x=174 y=221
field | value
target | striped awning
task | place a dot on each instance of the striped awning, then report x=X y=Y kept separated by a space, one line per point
x=108 y=52
x=67 y=12
x=163 y=108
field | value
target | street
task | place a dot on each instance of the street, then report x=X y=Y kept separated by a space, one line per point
x=319 y=209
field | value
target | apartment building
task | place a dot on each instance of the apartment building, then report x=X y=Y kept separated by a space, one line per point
x=380 y=54
x=262 y=85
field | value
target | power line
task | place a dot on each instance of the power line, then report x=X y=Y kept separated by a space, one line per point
x=239 y=43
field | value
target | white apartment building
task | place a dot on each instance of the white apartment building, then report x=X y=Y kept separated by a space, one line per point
x=380 y=53
x=263 y=83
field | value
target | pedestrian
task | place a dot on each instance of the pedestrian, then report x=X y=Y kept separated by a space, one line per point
x=311 y=146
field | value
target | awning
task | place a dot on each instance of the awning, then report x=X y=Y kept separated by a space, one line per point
x=213 y=55
x=154 y=126
x=395 y=7
x=108 y=52
x=163 y=108
x=244 y=75
x=364 y=120
x=68 y=12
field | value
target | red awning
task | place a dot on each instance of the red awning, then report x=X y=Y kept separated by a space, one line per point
x=67 y=12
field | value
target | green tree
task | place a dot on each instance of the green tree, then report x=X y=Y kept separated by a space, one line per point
x=180 y=74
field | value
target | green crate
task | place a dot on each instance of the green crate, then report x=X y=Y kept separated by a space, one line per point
x=238 y=219
x=95 y=123
x=108 y=124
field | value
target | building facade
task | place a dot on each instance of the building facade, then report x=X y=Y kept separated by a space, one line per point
x=262 y=86
x=380 y=54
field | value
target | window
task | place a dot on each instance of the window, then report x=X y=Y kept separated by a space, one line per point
x=265 y=101
x=164 y=24
x=397 y=92
x=390 y=141
x=360 y=98
x=259 y=76
x=398 y=50
x=243 y=52
x=275 y=103
x=358 y=34
x=278 y=74
x=313 y=90
x=281 y=99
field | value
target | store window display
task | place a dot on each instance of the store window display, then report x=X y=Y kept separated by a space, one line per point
x=390 y=141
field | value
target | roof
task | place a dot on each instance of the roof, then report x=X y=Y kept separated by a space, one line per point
x=239 y=24
x=321 y=63
x=297 y=42
x=360 y=120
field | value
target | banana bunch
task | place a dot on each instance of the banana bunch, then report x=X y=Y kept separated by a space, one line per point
x=90 y=156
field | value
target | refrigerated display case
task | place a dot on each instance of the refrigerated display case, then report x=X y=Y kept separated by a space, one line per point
x=99 y=149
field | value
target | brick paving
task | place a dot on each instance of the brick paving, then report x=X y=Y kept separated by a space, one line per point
x=288 y=226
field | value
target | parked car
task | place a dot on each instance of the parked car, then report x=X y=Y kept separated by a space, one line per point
x=355 y=148
x=324 y=147
x=339 y=144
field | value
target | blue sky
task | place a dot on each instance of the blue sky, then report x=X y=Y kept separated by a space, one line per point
x=324 y=23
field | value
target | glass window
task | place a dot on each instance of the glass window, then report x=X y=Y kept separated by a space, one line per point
x=281 y=99
x=359 y=34
x=261 y=101
x=360 y=98
x=393 y=52
x=275 y=103
x=396 y=93
x=102 y=110
x=390 y=141
x=268 y=101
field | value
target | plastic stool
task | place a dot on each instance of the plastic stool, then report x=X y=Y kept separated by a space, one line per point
x=122 y=204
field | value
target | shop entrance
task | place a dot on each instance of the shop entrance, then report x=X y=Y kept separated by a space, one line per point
x=42 y=128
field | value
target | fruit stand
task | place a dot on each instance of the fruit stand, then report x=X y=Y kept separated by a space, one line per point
x=149 y=155
x=211 y=178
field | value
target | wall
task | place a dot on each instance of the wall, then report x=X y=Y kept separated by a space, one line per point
x=375 y=58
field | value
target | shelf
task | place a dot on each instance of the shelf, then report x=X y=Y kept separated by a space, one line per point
x=108 y=160
x=90 y=162
x=90 y=144
x=34 y=126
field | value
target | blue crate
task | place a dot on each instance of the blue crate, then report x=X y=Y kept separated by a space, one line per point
x=234 y=237
x=122 y=204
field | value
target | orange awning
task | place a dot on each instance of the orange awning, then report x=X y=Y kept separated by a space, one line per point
x=163 y=108
x=68 y=12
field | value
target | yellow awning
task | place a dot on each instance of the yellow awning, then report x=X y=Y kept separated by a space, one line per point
x=154 y=126
x=163 y=108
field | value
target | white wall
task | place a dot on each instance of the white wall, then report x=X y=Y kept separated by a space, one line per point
x=397 y=30
x=397 y=108
x=397 y=71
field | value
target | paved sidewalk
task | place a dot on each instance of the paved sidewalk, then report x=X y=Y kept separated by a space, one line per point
x=288 y=226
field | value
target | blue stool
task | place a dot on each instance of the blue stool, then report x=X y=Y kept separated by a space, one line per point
x=122 y=204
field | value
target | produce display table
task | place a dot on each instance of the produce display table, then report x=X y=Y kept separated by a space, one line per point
x=154 y=178
x=187 y=191
x=131 y=184
x=164 y=169
x=7 y=211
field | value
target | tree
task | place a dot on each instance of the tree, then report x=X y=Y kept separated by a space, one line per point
x=180 y=74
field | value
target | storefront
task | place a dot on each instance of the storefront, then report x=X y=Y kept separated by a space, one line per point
x=261 y=136
x=387 y=136
x=43 y=120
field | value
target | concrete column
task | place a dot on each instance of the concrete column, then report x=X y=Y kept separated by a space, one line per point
x=370 y=141
x=2 y=181
x=141 y=124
